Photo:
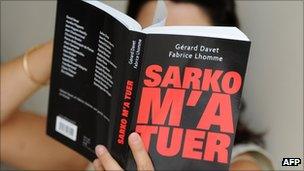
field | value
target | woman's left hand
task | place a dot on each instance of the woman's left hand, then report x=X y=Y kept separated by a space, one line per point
x=106 y=162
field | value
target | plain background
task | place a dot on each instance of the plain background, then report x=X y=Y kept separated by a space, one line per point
x=274 y=82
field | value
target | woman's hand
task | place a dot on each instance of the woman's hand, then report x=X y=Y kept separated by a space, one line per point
x=106 y=162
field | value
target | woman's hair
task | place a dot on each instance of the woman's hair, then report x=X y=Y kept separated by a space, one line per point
x=244 y=134
x=222 y=13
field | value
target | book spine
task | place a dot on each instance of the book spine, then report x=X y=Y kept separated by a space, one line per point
x=120 y=123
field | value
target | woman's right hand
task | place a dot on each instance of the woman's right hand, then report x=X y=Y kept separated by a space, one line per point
x=106 y=162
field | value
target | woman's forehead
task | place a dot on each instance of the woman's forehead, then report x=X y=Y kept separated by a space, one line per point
x=178 y=14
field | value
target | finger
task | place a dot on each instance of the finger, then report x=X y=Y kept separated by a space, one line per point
x=139 y=152
x=97 y=165
x=107 y=161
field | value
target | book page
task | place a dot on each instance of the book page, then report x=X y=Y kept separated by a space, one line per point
x=232 y=33
x=127 y=21
x=160 y=14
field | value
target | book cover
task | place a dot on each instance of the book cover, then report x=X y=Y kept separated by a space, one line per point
x=178 y=87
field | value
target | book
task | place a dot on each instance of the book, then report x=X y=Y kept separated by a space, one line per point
x=179 y=87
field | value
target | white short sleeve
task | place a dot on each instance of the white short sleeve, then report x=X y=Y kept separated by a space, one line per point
x=262 y=157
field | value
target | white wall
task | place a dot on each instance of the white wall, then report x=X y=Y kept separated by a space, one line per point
x=274 y=82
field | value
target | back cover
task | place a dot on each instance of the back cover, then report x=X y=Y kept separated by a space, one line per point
x=89 y=70
x=188 y=100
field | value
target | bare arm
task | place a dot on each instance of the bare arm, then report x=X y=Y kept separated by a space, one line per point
x=245 y=162
x=16 y=86
x=25 y=145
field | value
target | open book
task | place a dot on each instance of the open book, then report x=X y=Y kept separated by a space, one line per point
x=179 y=87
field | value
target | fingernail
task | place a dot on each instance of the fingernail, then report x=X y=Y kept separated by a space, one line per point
x=100 y=150
x=134 y=138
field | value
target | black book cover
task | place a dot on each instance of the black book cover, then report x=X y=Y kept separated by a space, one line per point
x=181 y=93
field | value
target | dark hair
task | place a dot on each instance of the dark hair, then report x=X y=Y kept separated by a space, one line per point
x=244 y=134
x=222 y=13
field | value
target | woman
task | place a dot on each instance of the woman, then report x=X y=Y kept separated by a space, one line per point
x=246 y=156
x=23 y=140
